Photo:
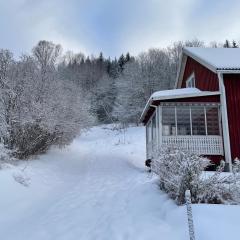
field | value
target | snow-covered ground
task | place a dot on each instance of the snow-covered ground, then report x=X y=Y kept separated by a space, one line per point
x=98 y=189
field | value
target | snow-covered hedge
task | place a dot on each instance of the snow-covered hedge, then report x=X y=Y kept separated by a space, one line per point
x=180 y=170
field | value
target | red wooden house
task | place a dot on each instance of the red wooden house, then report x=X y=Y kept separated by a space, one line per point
x=202 y=113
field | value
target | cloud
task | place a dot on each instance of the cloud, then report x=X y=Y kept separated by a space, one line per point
x=114 y=26
x=24 y=23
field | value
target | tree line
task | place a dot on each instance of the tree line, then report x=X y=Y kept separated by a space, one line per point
x=47 y=97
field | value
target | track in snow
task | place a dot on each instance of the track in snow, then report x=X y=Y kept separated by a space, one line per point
x=96 y=189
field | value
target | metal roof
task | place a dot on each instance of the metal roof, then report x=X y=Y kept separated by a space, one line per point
x=216 y=58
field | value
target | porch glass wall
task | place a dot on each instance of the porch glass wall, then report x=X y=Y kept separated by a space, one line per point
x=194 y=127
x=190 y=120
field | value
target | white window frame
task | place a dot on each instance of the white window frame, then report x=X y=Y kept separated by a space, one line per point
x=190 y=83
x=204 y=105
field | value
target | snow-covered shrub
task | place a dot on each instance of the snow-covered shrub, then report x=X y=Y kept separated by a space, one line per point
x=40 y=105
x=180 y=170
x=236 y=166
x=5 y=156
x=217 y=187
x=32 y=139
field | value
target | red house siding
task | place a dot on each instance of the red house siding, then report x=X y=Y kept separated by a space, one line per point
x=232 y=88
x=205 y=79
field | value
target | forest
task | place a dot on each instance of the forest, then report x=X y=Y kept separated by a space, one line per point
x=49 y=96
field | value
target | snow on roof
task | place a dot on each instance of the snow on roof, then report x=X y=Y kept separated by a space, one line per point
x=219 y=58
x=175 y=94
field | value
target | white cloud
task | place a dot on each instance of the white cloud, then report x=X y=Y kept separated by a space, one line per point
x=26 y=22
x=115 y=26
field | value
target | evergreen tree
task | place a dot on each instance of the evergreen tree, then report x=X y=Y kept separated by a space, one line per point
x=121 y=62
x=226 y=44
x=101 y=58
x=234 y=44
x=128 y=58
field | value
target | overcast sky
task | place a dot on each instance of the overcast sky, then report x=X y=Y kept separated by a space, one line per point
x=112 y=26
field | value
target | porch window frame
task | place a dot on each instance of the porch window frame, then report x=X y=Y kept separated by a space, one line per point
x=190 y=105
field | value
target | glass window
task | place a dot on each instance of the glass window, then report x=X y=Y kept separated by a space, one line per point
x=184 y=115
x=168 y=121
x=190 y=83
x=198 y=121
x=183 y=120
x=212 y=120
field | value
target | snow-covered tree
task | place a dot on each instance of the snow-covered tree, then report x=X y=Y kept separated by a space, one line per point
x=149 y=72
x=40 y=106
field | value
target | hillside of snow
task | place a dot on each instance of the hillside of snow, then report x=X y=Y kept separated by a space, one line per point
x=98 y=189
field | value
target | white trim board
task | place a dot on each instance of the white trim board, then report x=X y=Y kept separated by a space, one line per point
x=225 y=126
x=151 y=99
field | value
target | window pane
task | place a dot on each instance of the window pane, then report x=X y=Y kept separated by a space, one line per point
x=168 y=121
x=183 y=121
x=198 y=121
x=212 y=120
x=190 y=83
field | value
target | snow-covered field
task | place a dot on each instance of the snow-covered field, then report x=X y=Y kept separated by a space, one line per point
x=98 y=189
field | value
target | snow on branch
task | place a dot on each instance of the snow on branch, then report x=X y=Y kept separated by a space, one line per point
x=180 y=170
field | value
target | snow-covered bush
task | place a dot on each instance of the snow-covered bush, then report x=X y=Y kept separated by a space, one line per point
x=217 y=187
x=5 y=156
x=180 y=170
x=40 y=105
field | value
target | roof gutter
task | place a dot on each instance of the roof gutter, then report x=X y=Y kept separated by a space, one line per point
x=228 y=71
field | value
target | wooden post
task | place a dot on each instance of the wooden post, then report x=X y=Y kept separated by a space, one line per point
x=189 y=214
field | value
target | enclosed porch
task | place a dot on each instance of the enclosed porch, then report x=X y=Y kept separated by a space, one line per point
x=193 y=126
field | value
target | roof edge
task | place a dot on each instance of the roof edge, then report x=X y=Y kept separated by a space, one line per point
x=200 y=60
x=188 y=95
x=197 y=94
x=181 y=70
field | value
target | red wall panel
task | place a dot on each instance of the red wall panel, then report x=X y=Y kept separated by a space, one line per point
x=205 y=79
x=232 y=88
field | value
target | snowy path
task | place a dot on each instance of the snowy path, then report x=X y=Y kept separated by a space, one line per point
x=96 y=189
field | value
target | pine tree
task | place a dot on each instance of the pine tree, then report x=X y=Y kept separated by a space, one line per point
x=121 y=62
x=128 y=58
x=101 y=58
x=226 y=44
x=234 y=44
